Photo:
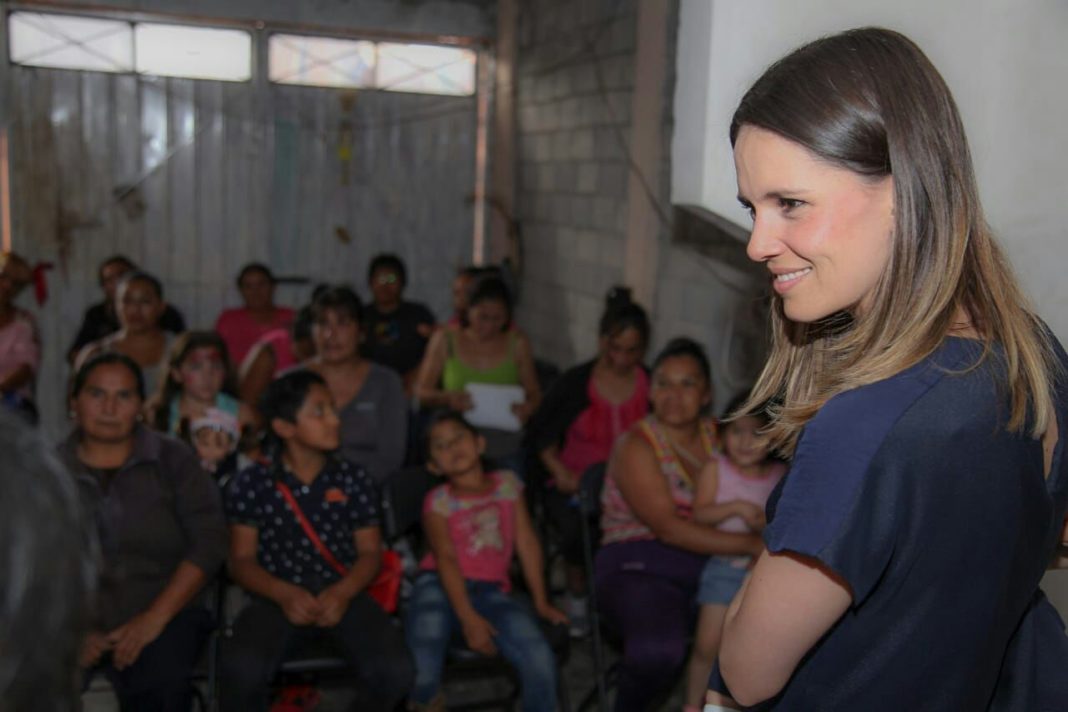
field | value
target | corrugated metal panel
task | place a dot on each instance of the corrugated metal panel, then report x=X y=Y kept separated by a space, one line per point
x=215 y=175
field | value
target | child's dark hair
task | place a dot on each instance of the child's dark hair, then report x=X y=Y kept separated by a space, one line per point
x=446 y=415
x=338 y=298
x=389 y=261
x=685 y=346
x=106 y=359
x=734 y=411
x=489 y=289
x=169 y=388
x=286 y=394
x=282 y=399
x=621 y=313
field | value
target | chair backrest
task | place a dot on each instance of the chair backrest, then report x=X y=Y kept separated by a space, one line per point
x=403 y=493
x=590 y=490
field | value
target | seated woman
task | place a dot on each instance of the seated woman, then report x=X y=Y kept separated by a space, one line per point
x=140 y=305
x=582 y=415
x=241 y=327
x=653 y=552
x=485 y=349
x=163 y=538
x=275 y=353
x=396 y=330
x=370 y=398
x=20 y=352
x=101 y=319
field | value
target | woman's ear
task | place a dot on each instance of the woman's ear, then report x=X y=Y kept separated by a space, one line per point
x=176 y=375
x=480 y=443
x=432 y=467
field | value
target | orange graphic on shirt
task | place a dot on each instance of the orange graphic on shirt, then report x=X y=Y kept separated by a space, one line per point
x=335 y=495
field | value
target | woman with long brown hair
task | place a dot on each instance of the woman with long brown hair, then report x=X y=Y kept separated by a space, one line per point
x=916 y=393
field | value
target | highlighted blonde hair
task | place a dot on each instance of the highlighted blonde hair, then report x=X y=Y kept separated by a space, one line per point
x=870 y=101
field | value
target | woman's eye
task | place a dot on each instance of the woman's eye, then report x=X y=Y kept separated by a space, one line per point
x=788 y=204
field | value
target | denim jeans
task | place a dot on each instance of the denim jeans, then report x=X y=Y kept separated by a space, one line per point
x=431 y=624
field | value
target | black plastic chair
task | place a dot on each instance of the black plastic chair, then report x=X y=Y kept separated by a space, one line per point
x=402 y=507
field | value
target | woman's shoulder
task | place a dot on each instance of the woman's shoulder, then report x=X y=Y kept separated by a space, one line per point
x=230 y=315
x=851 y=427
x=638 y=442
x=170 y=450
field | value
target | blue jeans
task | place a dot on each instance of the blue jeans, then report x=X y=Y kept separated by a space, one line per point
x=431 y=624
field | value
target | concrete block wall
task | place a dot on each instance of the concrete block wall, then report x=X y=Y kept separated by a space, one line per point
x=721 y=308
x=574 y=83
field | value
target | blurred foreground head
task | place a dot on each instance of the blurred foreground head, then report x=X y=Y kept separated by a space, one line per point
x=47 y=573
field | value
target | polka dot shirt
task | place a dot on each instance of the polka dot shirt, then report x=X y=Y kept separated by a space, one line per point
x=340 y=500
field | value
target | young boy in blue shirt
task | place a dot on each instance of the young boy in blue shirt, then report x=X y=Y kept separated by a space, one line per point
x=304 y=588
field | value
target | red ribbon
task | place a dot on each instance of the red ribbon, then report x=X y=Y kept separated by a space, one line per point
x=40 y=284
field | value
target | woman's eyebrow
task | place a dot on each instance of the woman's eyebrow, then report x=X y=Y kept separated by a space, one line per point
x=775 y=195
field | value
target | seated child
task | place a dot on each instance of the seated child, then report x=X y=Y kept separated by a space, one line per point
x=730 y=493
x=473 y=523
x=215 y=436
x=308 y=579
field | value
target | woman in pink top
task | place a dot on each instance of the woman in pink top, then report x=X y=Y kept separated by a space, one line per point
x=730 y=494
x=275 y=353
x=20 y=354
x=244 y=326
x=653 y=551
x=583 y=414
x=475 y=523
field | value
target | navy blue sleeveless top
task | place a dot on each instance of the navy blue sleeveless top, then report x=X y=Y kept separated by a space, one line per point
x=942 y=523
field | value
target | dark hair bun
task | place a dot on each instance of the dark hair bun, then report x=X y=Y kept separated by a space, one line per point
x=618 y=296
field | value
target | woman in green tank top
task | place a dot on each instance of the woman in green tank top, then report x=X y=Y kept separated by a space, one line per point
x=485 y=348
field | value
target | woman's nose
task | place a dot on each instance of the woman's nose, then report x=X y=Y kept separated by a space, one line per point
x=764 y=243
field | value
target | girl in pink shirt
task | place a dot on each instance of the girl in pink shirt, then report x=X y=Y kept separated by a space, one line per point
x=474 y=523
x=730 y=493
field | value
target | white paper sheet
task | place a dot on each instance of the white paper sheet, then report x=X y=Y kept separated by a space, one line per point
x=493 y=406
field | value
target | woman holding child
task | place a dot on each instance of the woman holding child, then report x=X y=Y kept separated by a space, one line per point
x=653 y=552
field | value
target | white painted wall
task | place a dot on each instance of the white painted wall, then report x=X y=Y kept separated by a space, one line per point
x=1005 y=62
